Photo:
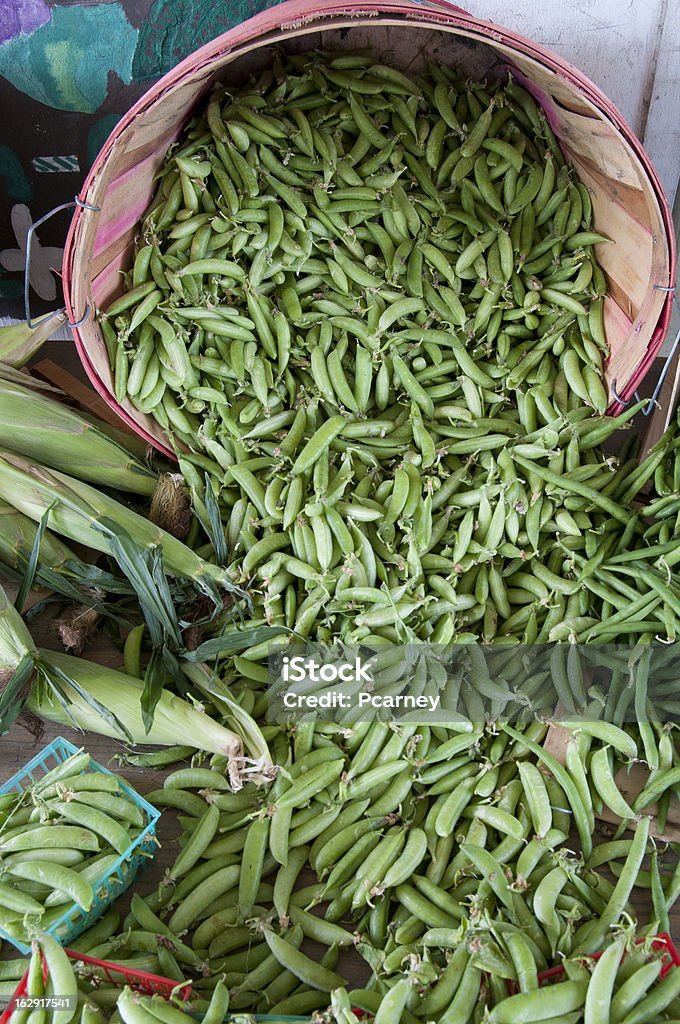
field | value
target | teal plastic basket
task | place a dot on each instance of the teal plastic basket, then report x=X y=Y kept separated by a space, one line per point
x=122 y=873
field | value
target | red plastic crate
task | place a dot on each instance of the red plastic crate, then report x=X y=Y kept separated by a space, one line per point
x=662 y=941
x=117 y=975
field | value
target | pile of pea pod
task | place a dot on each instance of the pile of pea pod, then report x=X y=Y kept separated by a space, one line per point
x=367 y=308
x=437 y=863
x=613 y=990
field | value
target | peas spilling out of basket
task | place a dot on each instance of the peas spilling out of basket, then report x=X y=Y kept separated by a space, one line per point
x=59 y=838
x=365 y=306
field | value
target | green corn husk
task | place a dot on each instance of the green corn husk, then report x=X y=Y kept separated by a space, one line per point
x=82 y=694
x=37 y=426
x=58 y=567
x=175 y=719
x=17 y=537
x=92 y=697
x=81 y=513
x=19 y=342
x=17 y=661
x=259 y=766
x=16 y=641
x=131 y=443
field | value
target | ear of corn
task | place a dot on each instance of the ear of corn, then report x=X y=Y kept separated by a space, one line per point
x=19 y=342
x=15 y=640
x=59 y=568
x=77 y=693
x=17 y=536
x=131 y=443
x=81 y=513
x=35 y=425
x=259 y=766
x=17 y=662
x=175 y=719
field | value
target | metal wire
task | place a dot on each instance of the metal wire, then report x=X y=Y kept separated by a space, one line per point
x=669 y=357
x=32 y=324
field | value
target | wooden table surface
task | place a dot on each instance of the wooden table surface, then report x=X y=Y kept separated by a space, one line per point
x=18 y=746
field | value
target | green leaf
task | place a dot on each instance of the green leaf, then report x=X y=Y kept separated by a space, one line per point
x=154 y=679
x=214 y=527
x=32 y=567
x=62 y=585
x=93 y=576
x=237 y=640
x=52 y=684
x=161 y=665
x=143 y=567
x=154 y=562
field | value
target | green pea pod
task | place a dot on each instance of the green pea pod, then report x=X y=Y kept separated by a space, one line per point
x=537 y=798
x=528 y=192
x=12 y=898
x=552 y=1001
x=565 y=780
x=430 y=914
x=130 y=299
x=309 y=784
x=411 y=385
x=633 y=989
x=584 y=238
x=603 y=780
x=660 y=997
x=117 y=807
x=254 y=851
x=79 y=888
x=52 y=837
x=63 y=981
x=96 y=821
x=318 y=444
x=303 y=967
x=478 y=133
x=340 y=383
x=199 y=840
x=88 y=782
x=583 y=490
x=402 y=309
x=198 y=898
x=591 y=935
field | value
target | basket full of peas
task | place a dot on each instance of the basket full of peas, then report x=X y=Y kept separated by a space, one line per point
x=395 y=165
x=73 y=837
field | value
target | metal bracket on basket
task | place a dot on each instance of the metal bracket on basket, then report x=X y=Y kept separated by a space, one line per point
x=647 y=411
x=32 y=324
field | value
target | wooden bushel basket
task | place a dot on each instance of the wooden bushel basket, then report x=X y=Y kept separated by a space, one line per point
x=628 y=201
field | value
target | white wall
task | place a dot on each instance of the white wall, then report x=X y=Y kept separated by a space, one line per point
x=629 y=48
